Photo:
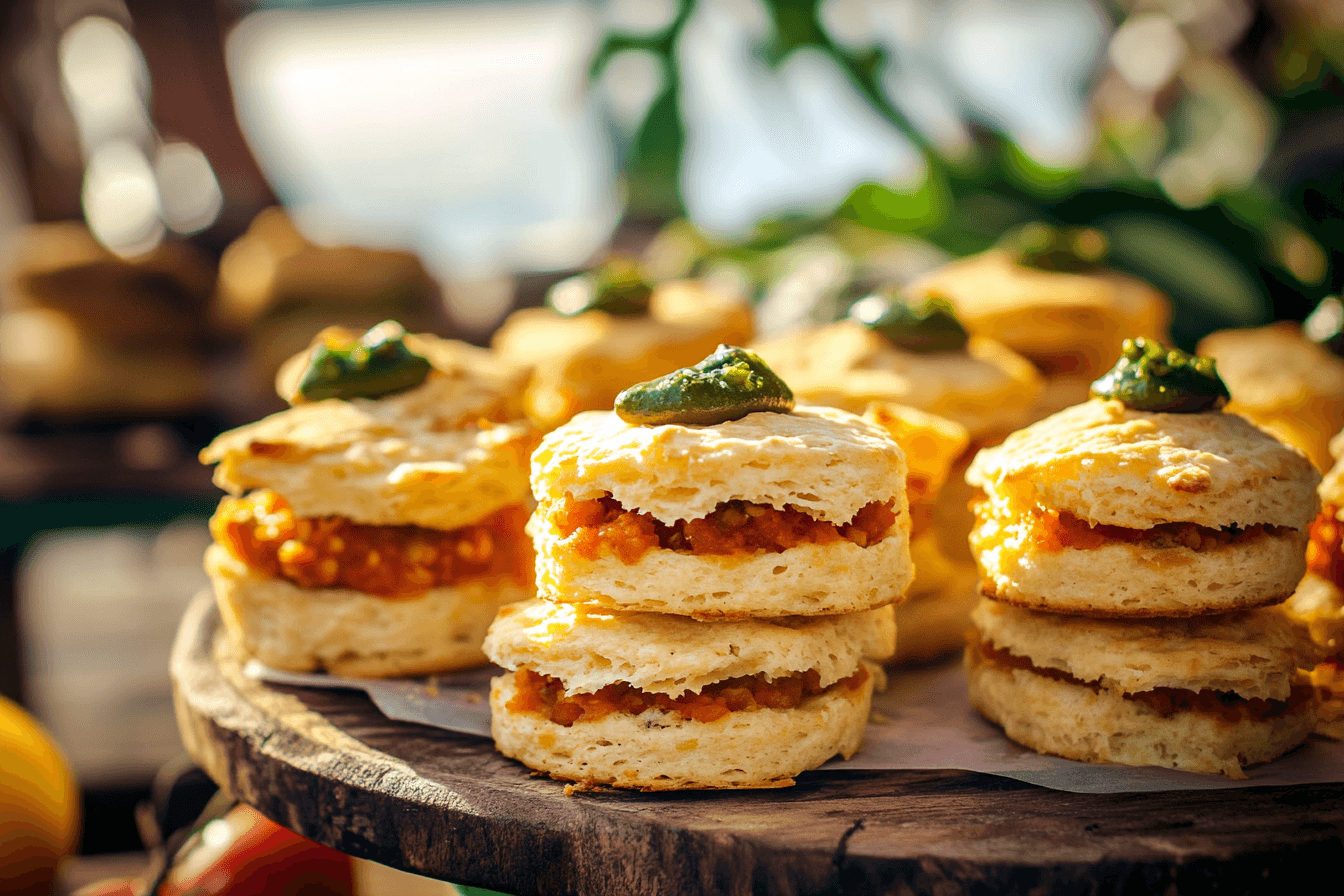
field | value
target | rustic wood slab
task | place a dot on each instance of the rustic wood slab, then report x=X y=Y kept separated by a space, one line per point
x=330 y=766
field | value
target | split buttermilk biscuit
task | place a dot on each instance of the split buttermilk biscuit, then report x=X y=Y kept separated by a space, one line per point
x=659 y=702
x=1107 y=511
x=1210 y=694
x=376 y=536
x=770 y=515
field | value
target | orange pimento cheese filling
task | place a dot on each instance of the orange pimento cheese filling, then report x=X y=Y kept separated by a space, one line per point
x=261 y=530
x=1325 y=554
x=601 y=525
x=546 y=695
x=1231 y=707
x=1055 y=530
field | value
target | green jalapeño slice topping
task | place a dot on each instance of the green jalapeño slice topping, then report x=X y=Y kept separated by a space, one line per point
x=1072 y=250
x=1149 y=377
x=378 y=364
x=728 y=385
x=929 y=325
x=616 y=287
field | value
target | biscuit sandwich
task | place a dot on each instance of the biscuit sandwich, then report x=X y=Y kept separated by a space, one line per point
x=1318 y=603
x=1047 y=294
x=374 y=527
x=1104 y=509
x=660 y=702
x=767 y=514
x=913 y=354
x=610 y=328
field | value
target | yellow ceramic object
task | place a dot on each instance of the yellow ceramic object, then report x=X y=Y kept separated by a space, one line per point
x=39 y=804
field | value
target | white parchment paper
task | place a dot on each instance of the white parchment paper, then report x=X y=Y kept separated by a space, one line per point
x=922 y=721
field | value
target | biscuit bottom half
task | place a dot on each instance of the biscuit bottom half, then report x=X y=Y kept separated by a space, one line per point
x=743 y=560
x=1054 y=562
x=347 y=632
x=1204 y=731
x=662 y=749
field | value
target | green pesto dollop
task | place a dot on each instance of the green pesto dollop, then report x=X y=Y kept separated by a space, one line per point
x=378 y=364
x=617 y=286
x=1073 y=250
x=1325 y=325
x=1151 y=377
x=927 y=325
x=728 y=385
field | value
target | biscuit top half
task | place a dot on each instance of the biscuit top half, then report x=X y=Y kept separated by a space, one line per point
x=589 y=648
x=823 y=461
x=442 y=455
x=1107 y=464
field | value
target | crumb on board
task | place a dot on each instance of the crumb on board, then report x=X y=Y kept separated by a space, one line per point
x=588 y=786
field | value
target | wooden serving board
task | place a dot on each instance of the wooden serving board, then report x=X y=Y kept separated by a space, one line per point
x=329 y=765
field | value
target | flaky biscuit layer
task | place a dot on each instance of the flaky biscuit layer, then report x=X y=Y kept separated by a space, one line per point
x=659 y=750
x=581 y=363
x=588 y=648
x=1105 y=463
x=823 y=461
x=1121 y=579
x=987 y=388
x=1076 y=722
x=807 y=580
x=347 y=632
x=1046 y=313
x=375 y=462
x=1253 y=653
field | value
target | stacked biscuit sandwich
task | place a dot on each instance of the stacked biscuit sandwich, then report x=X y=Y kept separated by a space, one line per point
x=715 y=572
x=374 y=527
x=1133 y=548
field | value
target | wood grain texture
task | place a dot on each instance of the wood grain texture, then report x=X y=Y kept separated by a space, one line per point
x=330 y=766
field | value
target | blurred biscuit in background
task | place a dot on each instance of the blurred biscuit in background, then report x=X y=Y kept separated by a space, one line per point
x=1283 y=382
x=87 y=334
x=277 y=288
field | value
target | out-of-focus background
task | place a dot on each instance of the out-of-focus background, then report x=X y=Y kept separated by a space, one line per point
x=190 y=189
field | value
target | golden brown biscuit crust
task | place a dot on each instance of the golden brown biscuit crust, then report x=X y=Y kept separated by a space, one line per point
x=581 y=363
x=822 y=461
x=403 y=459
x=988 y=388
x=1105 y=463
x=1045 y=314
